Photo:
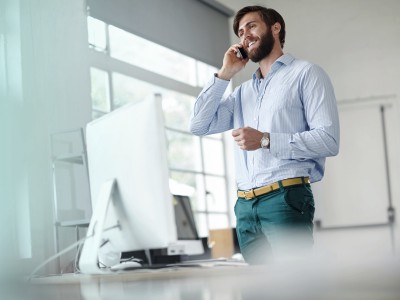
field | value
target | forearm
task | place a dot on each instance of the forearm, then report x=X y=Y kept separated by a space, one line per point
x=316 y=143
x=210 y=114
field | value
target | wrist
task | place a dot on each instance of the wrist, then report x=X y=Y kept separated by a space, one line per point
x=223 y=74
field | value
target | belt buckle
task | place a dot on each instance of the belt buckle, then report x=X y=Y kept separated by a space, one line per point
x=249 y=194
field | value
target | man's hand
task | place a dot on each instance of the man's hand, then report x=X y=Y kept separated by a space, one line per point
x=232 y=63
x=247 y=138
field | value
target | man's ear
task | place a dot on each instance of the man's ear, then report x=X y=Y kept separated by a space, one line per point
x=276 y=28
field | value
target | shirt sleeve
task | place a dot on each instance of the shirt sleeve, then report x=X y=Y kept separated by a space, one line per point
x=321 y=114
x=212 y=113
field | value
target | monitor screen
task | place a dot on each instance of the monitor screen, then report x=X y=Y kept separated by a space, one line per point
x=127 y=161
x=185 y=223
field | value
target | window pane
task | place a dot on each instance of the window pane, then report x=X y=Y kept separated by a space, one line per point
x=97 y=34
x=213 y=152
x=204 y=73
x=100 y=90
x=193 y=183
x=177 y=107
x=151 y=56
x=215 y=221
x=201 y=221
x=130 y=90
x=216 y=194
x=218 y=221
x=183 y=151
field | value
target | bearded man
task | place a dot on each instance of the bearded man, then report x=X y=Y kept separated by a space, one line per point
x=285 y=123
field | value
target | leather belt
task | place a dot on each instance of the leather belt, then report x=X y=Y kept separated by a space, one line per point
x=250 y=194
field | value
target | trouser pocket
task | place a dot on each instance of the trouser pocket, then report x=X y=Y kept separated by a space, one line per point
x=301 y=199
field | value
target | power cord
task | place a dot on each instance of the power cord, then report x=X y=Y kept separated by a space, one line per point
x=67 y=249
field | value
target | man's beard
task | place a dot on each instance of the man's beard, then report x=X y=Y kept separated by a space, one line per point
x=266 y=45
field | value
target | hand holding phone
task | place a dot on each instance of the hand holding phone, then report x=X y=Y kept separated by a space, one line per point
x=235 y=59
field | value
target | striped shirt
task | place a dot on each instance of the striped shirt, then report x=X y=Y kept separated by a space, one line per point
x=295 y=103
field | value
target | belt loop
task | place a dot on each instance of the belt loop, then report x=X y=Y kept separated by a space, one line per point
x=306 y=180
x=280 y=184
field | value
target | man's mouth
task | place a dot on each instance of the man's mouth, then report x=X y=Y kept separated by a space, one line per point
x=251 y=44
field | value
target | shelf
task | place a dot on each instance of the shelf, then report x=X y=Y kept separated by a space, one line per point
x=75 y=158
x=74 y=223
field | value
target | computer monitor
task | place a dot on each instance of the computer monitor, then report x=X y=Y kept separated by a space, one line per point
x=128 y=172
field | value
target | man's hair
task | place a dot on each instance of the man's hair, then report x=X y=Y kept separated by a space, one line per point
x=268 y=15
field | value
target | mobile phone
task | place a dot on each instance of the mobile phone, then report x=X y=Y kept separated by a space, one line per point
x=242 y=53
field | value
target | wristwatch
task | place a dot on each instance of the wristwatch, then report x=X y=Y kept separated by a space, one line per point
x=265 y=141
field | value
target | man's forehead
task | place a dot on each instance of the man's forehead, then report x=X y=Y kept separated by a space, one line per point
x=249 y=18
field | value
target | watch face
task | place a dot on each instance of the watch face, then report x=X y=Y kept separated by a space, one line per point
x=264 y=142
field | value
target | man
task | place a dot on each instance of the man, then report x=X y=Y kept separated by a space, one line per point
x=285 y=123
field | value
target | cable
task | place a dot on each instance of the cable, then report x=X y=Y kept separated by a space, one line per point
x=57 y=255
x=77 y=257
x=81 y=241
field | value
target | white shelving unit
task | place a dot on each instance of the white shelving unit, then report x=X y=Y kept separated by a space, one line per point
x=71 y=189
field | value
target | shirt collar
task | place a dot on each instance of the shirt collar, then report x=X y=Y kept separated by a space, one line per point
x=285 y=59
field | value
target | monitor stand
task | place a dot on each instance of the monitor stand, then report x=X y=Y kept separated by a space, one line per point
x=89 y=258
x=88 y=261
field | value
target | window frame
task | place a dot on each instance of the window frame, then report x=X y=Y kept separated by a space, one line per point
x=102 y=60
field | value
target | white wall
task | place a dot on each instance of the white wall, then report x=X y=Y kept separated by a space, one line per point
x=48 y=90
x=357 y=42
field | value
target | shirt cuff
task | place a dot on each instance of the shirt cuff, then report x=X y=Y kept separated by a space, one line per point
x=217 y=84
x=216 y=76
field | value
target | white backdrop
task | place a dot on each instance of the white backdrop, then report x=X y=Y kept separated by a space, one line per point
x=354 y=190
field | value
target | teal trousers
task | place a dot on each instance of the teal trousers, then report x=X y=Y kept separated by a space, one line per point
x=276 y=225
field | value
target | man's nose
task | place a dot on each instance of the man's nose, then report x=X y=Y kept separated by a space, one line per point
x=245 y=36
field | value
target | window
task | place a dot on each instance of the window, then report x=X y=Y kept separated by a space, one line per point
x=97 y=34
x=100 y=91
x=127 y=68
x=137 y=51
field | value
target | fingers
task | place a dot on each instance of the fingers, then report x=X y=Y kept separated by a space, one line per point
x=236 y=132
x=241 y=131
x=231 y=63
x=238 y=137
x=247 y=138
x=235 y=55
x=235 y=49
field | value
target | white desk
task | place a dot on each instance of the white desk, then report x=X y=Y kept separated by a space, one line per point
x=317 y=280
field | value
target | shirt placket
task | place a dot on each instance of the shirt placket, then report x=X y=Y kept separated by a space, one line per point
x=262 y=86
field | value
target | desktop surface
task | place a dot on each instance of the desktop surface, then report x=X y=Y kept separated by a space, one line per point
x=284 y=280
